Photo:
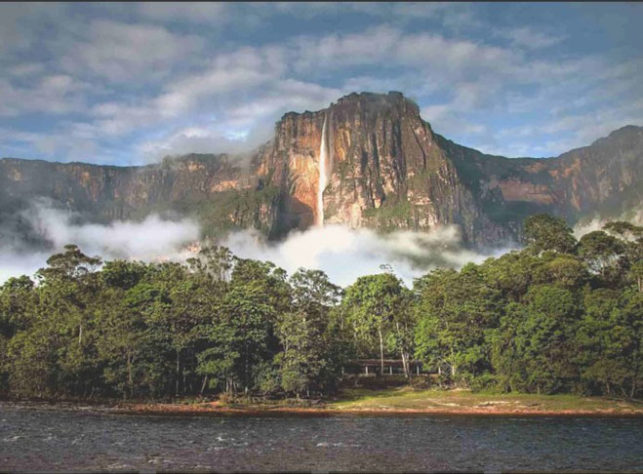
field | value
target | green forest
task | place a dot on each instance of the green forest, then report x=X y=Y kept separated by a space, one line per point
x=560 y=315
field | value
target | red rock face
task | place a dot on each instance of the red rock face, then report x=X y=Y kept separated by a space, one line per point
x=385 y=168
x=515 y=190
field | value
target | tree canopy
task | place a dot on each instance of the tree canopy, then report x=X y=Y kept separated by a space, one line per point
x=559 y=316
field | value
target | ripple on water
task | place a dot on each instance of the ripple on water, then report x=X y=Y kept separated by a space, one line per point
x=66 y=440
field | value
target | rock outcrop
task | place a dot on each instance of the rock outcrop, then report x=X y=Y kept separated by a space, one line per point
x=385 y=168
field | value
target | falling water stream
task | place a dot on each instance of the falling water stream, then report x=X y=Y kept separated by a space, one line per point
x=323 y=177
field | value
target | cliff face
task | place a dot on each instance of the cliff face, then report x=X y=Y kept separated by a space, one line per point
x=217 y=189
x=605 y=178
x=384 y=167
x=380 y=166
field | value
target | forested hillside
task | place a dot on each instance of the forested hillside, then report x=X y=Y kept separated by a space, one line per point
x=559 y=316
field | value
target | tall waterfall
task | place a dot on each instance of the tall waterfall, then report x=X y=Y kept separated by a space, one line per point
x=323 y=176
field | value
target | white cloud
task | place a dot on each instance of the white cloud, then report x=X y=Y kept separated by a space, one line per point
x=192 y=12
x=591 y=224
x=244 y=69
x=122 y=52
x=26 y=69
x=52 y=94
x=335 y=51
x=345 y=254
x=135 y=74
x=153 y=239
x=530 y=38
x=201 y=139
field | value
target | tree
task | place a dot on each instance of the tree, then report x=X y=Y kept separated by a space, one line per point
x=599 y=341
x=636 y=273
x=546 y=338
x=455 y=310
x=631 y=237
x=17 y=300
x=371 y=304
x=122 y=345
x=238 y=338
x=538 y=320
x=213 y=262
x=70 y=277
x=68 y=288
x=511 y=274
x=602 y=253
x=544 y=232
x=565 y=270
x=306 y=358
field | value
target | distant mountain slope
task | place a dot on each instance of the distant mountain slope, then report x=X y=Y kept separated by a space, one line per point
x=385 y=168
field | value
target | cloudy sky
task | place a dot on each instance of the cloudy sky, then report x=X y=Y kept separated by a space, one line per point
x=129 y=83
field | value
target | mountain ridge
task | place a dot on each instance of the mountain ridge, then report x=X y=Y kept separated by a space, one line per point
x=387 y=169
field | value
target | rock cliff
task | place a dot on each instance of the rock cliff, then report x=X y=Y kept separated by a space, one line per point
x=383 y=167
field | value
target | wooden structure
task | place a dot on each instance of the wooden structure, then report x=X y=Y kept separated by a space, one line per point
x=372 y=367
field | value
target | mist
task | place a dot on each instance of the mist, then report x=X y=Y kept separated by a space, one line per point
x=346 y=254
x=153 y=239
x=587 y=225
x=343 y=253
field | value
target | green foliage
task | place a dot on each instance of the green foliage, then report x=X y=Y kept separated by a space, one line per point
x=544 y=232
x=556 y=317
x=390 y=215
x=377 y=309
x=455 y=309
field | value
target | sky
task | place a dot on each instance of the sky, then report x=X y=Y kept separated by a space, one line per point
x=128 y=83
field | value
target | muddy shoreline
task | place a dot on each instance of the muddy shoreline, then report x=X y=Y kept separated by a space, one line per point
x=170 y=409
x=217 y=409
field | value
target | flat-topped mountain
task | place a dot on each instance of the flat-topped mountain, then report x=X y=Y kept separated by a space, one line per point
x=368 y=160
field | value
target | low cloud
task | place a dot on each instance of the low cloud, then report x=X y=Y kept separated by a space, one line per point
x=345 y=254
x=591 y=224
x=203 y=140
x=530 y=38
x=153 y=239
x=191 y=12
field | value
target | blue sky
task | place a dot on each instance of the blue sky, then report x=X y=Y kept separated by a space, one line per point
x=130 y=83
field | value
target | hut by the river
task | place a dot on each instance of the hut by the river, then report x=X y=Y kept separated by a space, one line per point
x=373 y=367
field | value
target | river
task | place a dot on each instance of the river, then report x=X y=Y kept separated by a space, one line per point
x=55 y=439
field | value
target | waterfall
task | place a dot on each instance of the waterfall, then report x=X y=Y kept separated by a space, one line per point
x=323 y=177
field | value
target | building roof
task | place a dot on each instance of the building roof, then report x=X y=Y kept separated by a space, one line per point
x=378 y=361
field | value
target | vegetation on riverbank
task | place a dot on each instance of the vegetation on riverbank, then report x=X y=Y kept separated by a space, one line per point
x=560 y=316
x=404 y=400
x=454 y=401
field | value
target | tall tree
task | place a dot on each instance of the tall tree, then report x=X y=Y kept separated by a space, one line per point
x=372 y=303
x=455 y=310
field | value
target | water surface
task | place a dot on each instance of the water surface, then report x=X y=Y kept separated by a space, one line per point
x=41 y=439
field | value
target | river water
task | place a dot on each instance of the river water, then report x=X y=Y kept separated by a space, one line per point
x=45 y=439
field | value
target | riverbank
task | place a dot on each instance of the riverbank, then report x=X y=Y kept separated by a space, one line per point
x=386 y=401
x=406 y=400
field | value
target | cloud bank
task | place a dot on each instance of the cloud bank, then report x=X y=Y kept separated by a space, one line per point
x=345 y=254
x=152 y=239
